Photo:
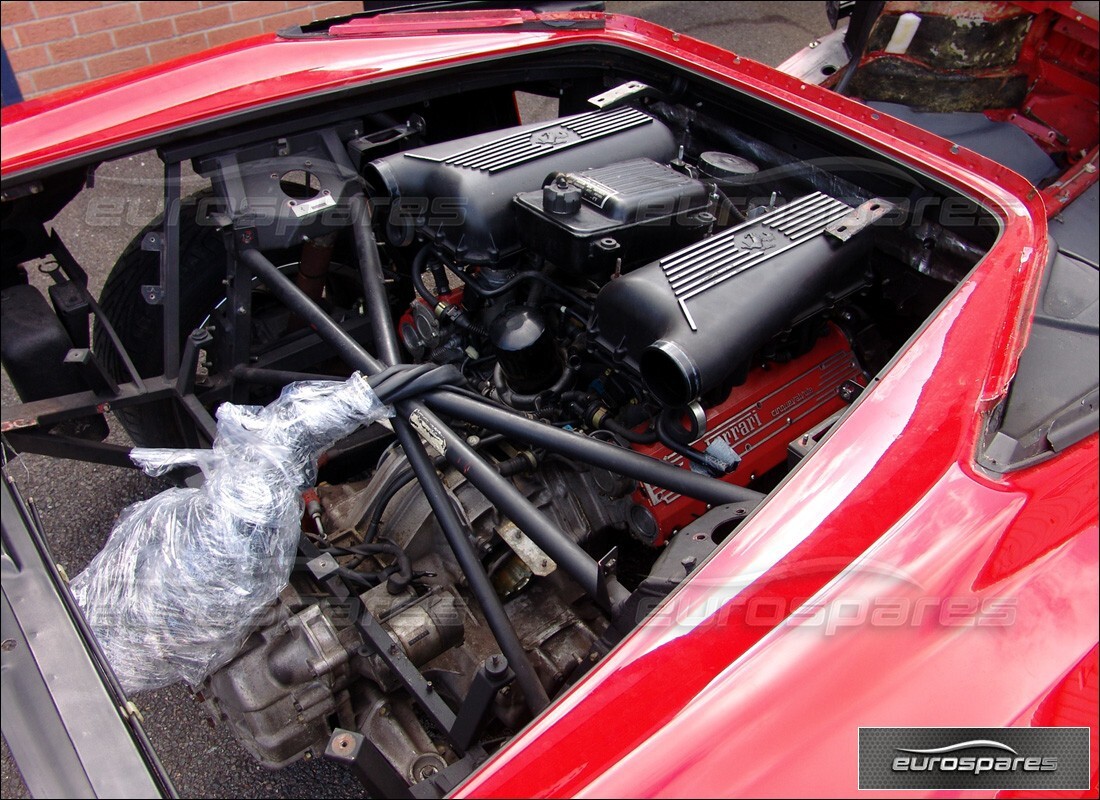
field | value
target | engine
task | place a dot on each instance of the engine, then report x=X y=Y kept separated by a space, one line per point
x=603 y=273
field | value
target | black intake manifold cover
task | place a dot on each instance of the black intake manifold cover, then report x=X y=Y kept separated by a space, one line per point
x=459 y=193
x=693 y=318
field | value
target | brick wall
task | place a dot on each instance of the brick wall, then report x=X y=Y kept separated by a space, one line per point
x=53 y=45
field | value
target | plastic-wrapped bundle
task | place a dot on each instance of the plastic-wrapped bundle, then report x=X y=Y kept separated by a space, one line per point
x=183 y=576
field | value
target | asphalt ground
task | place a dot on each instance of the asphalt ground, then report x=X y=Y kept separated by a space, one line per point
x=80 y=502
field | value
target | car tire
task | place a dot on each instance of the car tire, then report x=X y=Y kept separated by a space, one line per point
x=140 y=326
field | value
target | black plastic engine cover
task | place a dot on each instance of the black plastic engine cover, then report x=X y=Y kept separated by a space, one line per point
x=621 y=211
x=695 y=317
x=459 y=193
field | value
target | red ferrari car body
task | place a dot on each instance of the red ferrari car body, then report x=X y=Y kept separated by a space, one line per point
x=891 y=580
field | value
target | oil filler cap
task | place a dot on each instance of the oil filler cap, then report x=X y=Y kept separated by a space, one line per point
x=560 y=197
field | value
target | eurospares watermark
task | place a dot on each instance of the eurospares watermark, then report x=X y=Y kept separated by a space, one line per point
x=974 y=758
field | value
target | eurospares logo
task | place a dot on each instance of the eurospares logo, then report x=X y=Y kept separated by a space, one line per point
x=974 y=758
x=950 y=759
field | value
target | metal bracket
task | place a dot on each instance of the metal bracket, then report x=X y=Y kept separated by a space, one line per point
x=478 y=703
x=153 y=294
x=359 y=754
x=189 y=361
x=70 y=302
x=606 y=569
x=361 y=146
x=621 y=94
x=859 y=219
x=530 y=553
x=849 y=391
x=323 y=566
x=99 y=380
x=379 y=640
x=332 y=581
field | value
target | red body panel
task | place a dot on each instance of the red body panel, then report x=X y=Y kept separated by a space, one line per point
x=758 y=420
x=254 y=72
x=740 y=684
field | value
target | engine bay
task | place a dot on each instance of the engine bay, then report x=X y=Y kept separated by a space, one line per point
x=621 y=273
x=646 y=274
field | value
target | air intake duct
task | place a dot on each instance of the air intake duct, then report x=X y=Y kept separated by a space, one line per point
x=694 y=318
